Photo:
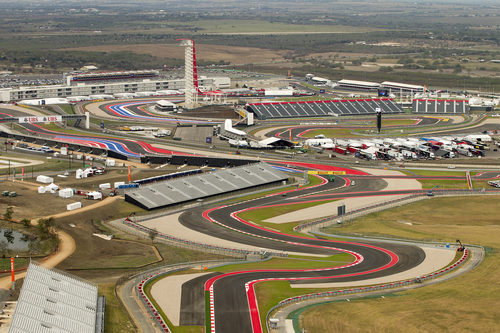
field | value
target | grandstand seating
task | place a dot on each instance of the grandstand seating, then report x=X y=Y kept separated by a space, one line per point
x=55 y=302
x=440 y=106
x=199 y=186
x=322 y=108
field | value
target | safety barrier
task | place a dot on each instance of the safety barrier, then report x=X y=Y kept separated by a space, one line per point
x=418 y=195
x=150 y=307
x=385 y=286
x=356 y=212
x=198 y=245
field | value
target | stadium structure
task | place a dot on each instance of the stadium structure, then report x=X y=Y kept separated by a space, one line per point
x=52 y=301
x=350 y=107
x=453 y=106
x=186 y=189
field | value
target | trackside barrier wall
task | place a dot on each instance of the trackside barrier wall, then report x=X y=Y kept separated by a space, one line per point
x=53 y=143
x=357 y=212
x=424 y=194
x=196 y=161
x=151 y=308
x=142 y=279
x=398 y=284
x=200 y=246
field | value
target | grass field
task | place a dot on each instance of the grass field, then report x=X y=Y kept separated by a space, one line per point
x=466 y=303
x=258 y=216
x=116 y=317
x=331 y=133
x=258 y=26
x=290 y=263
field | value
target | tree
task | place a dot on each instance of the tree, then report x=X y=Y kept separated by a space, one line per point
x=8 y=234
x=152 y=234
x=26 y=223
x=45 y=227
x=9 y=211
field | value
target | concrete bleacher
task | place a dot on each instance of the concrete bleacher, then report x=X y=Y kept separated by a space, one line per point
x=440 y=106
x=200 y=186
x=272 y=110
x=55 y=302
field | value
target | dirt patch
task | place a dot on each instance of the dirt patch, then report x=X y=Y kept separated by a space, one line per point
x=96 y=258
x=212 y=111
x=234 y=54
x=30 y=204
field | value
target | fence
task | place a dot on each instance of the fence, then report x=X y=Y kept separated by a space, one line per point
x=143 y=278
x=150 y=307
x=323 y=222
x=393 y=285
x=416 y=196
x=144 y=231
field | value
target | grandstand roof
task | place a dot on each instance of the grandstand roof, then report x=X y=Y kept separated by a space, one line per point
x=164 y=103
x=323 y=108
x=204 y=185
x=54 y=302
x=402 y=85
x=359 y=83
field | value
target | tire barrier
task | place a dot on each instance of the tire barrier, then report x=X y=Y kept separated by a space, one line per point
x=201 y=246
x=357 y=290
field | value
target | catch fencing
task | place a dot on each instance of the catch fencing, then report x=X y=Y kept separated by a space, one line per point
x=379 y=287
x=416 y=196
x=145 y=232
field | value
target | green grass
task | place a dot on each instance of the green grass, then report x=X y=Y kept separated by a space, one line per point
x=292 y=262
x=258 y=216
x=116 y=319
x=472 y=219
x=68 y=108
x=443 y=183
x=331 y=133
x=438 y=173
x=18 y=263
x=256 y=26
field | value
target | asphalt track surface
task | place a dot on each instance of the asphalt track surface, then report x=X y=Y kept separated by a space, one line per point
x=298 y=131
x=127 y=147
x=234 y=306
x=136 y=111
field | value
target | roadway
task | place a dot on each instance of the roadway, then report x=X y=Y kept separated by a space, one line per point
x=230 y=293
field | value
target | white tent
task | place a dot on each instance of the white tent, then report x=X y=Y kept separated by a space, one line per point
x=74 y=205
x=52 y=188
x=104 y=186
x=44 y=179
x=94 y=195
x=66 y=193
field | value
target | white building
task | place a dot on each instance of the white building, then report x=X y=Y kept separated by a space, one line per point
x=101 y=88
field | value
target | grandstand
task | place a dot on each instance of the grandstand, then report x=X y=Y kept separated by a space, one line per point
x=109 y=76
x=357 y=86
x=322 y=108
x=187 y=189
x=401 y=88
x=440 y=106
x=52 y=301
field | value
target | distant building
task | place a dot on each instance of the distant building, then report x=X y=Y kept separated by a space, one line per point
x=84 y=88
x=357 y=85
